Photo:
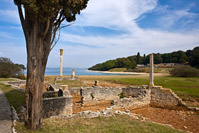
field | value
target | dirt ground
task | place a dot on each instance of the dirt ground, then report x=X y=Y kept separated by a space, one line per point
x=179 y=118
x=78 y=108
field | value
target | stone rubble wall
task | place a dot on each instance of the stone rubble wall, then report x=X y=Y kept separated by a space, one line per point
x=138 y=92
x=164 y=98
x=95 y=95
x=50 y=94
x=75 y=91
x=57 y=106
x=134 y=97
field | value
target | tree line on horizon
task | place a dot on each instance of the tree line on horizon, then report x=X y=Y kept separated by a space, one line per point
x=189 y=57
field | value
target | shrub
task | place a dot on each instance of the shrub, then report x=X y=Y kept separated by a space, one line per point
x=184 y=71
x=92 y=96
x=121 y=95
x=9 y=69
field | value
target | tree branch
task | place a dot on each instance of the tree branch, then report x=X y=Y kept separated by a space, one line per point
x=54 y=35
x=23 y=23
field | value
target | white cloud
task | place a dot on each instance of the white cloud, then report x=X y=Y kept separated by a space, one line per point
x=170 y=18
x=111 y=14
x=119 y=14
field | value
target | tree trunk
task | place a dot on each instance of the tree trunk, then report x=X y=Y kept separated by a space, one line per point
x=37 y=54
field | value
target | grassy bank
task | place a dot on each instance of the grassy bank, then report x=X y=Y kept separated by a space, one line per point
x=15 y=98
x=142 y=70
x=118 y=124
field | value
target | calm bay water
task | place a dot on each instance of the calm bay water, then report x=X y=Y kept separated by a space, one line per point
x=78 y=71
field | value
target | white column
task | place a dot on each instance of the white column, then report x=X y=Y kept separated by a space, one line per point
x=151 y=84
x=61 y=62
x=73 y=74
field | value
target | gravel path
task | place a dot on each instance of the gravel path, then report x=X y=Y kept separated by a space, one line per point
x=5 y=114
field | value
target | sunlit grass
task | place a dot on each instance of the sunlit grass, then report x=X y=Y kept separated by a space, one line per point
x=117 y=124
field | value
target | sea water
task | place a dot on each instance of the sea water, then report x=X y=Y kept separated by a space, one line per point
x=78 y=71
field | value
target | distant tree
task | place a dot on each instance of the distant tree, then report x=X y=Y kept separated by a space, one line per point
x=41 y=19
x=157 y=58
x=109 y=65
x=9 y=69
x=188 y=53
x=132 y=65
x=166 y=58
x=144 y=60
x=123 y=63
x=194 y=59
x=138 y=58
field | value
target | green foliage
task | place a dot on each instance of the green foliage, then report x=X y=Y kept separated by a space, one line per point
x=122 y=95
x=44 y=10
x=123 y=63
x=138 y=58
x=190 y=56
x=184 y=71
x=9 y=69
x=194 y=57
x=92 y=96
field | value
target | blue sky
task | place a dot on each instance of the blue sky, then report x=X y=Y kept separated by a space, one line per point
x=108 y=29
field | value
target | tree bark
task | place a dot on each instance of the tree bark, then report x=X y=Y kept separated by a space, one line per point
x=38 y=49
x=39 y=37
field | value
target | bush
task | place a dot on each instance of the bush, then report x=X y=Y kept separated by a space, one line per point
x=184 y=71
x=9 y=69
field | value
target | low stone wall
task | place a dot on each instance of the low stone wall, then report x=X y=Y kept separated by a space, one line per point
x=57 y=106
x=50 y=94
x=134 y=97
x=75 y=91
x=164 y=98
x=138 y=92
x=95 y=95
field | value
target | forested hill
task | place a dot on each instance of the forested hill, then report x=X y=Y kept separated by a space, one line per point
x=190 y=57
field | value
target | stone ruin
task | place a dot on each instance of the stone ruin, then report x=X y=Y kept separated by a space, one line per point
x=73 y=77
x=58 y=100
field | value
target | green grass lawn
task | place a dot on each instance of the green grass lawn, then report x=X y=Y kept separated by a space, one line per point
x=180 y=85
x=117 y=124
x=71 y=83
x=15 y=98
x=117 y=70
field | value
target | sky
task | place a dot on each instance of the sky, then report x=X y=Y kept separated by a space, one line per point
x=109 y=29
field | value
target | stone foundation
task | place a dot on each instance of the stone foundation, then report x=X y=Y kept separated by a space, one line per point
x=61 y=101
x=164 y=98
x=57 y=106
x=134 y=97
x=95 y=95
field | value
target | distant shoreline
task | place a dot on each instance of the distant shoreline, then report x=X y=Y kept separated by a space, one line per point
x=123 y=73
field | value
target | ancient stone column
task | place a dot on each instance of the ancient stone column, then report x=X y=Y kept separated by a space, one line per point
x=61 y=62
x=96 y=83
x=151 y=84
x=73 y=74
